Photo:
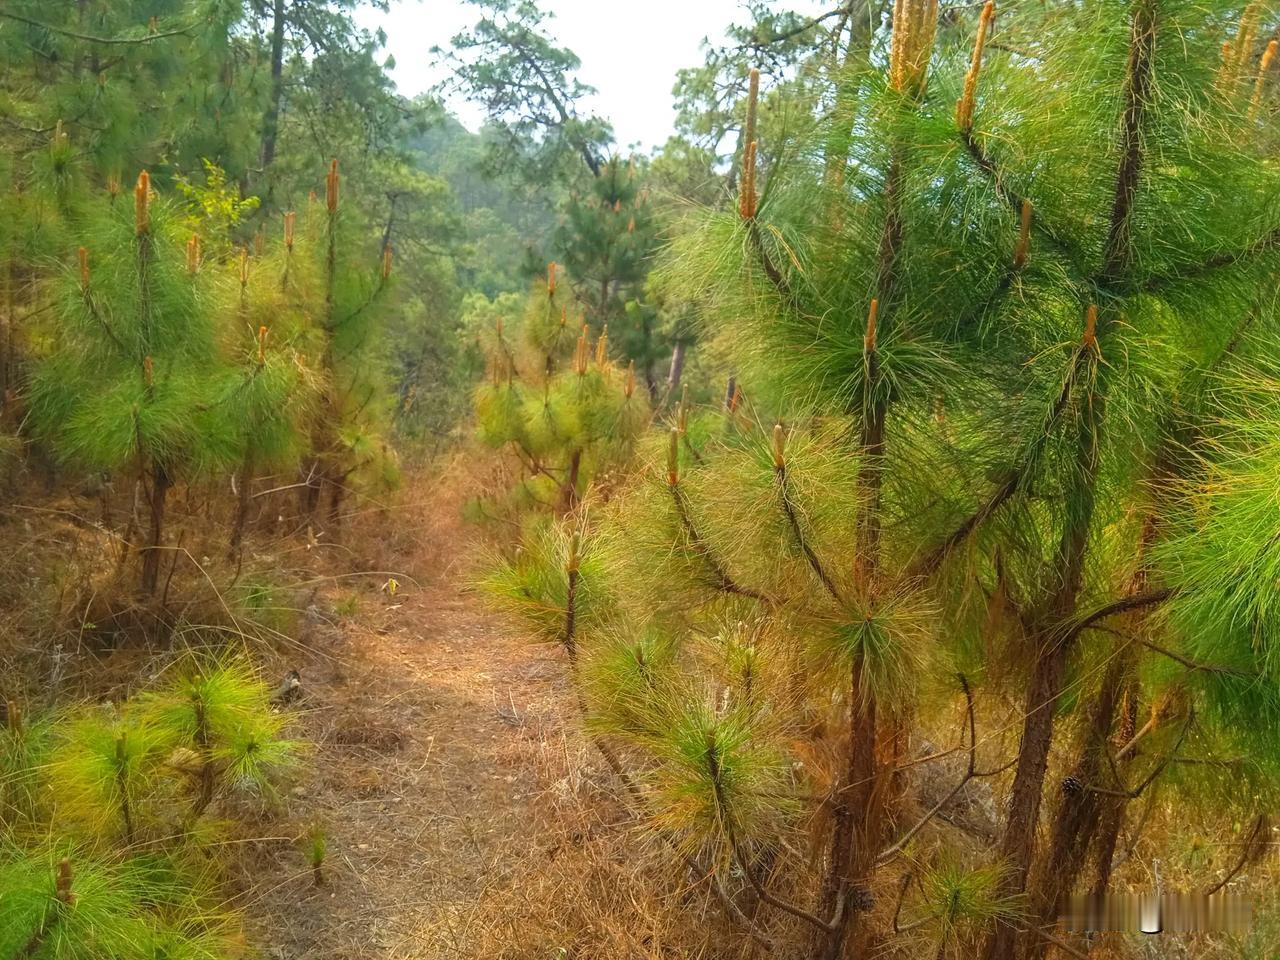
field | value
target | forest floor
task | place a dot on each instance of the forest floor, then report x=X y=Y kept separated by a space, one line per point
x=464 y=813
x=437 y=731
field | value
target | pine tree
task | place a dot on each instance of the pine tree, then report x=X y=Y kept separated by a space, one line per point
x=133 y=383
x=106 y=845
x=556 y=399
x=271 y=387
x=346 y=295
x=1012 y=299
x=605 y=243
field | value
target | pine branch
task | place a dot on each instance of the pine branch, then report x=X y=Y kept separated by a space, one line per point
x=1118 y=253
x=793 y=520
x=1013 y=477
x=988 y=166
x=971 y=773
x=90 y=38
x=1057 y=942
x=92 y=306
x=1260 y=825
x=1195 y=664
x=721 y=578
x=1267 y=243
x=902 y=897
x=775 y=276
x=1134 y=793
x=1134 y=601
x=827 y=926
x=758 y=44
x=731 y=909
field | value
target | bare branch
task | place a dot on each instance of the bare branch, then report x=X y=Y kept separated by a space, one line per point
x=1158 y=769
x=785 y=906
x=1250 y=846
x=971 y=773
x=89 y=38
x=1134 y=601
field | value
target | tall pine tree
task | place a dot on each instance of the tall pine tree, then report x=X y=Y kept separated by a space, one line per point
x=1014 y=295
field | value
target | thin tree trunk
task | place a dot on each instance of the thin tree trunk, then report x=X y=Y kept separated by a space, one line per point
x=650 y=382
x=1104 y=847
x=324 y=439
x=677 y=367
x=1083 y=814
x=271 y=119
x=1018 y=843
x=244 y=502
x=1080 y=810
x=122 y=785
x=569 y=492
x=860 y=823
x=160 y=484
x=208 y=775
x=1114 y=808
x=6 y=334
x=337 y=494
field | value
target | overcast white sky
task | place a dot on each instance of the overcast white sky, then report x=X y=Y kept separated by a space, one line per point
x=629 y=52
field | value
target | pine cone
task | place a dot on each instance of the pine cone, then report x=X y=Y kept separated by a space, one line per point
x=1072 y=787
x=861 y=899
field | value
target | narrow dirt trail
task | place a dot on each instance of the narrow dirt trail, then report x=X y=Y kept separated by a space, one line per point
x=434 y=726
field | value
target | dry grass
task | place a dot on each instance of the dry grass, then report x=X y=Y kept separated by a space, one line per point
x=465 y=815
x=589 y=886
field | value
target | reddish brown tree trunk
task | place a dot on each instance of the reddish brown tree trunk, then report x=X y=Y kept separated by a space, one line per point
x=244 y=502
x=677 y=367
x=1079 y=809
x=569 y=492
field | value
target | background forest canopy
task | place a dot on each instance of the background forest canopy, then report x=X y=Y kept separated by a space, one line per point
x=235 y=108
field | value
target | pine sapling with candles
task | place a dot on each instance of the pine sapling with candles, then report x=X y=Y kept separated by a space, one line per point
x=1019 y=330
x=119 y=855
x=132 y=383
x=271 y=387
x=346 y=290
x=556 y=400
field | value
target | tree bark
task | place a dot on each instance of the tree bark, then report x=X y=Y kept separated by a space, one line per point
x=160 y=484
x=244 y=502
x=1017 y=845
x=1079 y=810
x=271 y=119
x=569 y=492
x=677 y=367
x=337 y=494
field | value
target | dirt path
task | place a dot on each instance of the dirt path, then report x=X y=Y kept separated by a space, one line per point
x=433 y=726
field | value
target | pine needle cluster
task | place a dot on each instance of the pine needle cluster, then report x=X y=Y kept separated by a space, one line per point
x=107 y=835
